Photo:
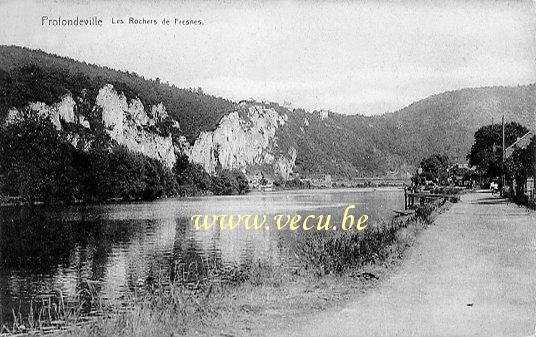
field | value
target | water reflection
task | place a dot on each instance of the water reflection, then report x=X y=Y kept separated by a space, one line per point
x=44 y=250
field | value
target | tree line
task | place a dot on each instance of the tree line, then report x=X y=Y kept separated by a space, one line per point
x=38 y=163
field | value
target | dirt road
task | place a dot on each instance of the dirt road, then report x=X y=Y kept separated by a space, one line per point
x=473 y=273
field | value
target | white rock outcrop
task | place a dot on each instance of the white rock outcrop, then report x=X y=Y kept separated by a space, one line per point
x=125 y=122
x=63 y=111
x=241 y=142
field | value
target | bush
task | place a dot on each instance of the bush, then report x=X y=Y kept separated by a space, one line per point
x=229 y=182
x=192 y=178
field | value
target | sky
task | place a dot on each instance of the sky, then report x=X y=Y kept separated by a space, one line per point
x=352 y=57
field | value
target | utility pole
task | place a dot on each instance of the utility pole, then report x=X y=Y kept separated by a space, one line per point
x=503 y=166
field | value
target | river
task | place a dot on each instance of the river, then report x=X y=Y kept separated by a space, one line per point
x=45 y=250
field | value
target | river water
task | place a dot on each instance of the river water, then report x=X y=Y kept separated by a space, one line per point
x=46 y=250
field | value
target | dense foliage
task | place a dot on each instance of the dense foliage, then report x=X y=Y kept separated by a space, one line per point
x=193 y=179
x=436 y=167
x=486 y=152
x=35 y=160
x=39 y=164
x=336 y=252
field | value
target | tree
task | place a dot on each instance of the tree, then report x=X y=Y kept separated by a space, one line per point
x=436 y=167
x=181 y=164
x=229 y=182
x=94 y=168
x=195 y=178
x=486 y=152
x=225 y=183
x=39 y=164
x=128 y=171
x=242 y=181
x=35 y=160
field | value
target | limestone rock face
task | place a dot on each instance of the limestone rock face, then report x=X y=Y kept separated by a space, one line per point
x=126 y=123
x=284 y=165
x=242 y=139
x=63 y=111
x=238 y=143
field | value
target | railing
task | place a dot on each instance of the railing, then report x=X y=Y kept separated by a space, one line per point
x=422 y=197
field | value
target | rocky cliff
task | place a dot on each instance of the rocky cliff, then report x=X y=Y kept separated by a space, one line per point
x=243 y=139
x=244 y=142
x=126 y=122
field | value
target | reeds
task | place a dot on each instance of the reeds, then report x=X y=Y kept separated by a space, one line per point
x=337 y=252
x=52 y=312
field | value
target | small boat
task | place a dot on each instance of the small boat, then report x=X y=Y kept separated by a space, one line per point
x=404 y=212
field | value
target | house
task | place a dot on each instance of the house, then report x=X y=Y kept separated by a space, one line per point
x=523 y=143
x=322 y=180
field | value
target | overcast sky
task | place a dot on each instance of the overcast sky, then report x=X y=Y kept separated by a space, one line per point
x=352 y=57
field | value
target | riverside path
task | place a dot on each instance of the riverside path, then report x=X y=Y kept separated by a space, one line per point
x=472 y=273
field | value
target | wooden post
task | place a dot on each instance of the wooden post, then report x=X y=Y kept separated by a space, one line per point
x=405 y=198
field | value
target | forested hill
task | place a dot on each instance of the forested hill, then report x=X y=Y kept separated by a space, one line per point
x=196 y=111
x=446 y=122
x=344 y=145
x=396 y=142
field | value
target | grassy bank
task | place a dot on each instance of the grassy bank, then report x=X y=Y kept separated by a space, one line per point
x=333 y=268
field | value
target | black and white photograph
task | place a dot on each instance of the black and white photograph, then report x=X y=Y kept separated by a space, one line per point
x=268 y=168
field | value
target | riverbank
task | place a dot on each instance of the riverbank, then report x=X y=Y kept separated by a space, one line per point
x=471 y=274
x=19 y=202
x=264 y=297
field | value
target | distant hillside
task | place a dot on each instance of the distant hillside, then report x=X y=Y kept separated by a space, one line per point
x=260 y=136
x=395 y=142
x=341 y=145
x=446 y=122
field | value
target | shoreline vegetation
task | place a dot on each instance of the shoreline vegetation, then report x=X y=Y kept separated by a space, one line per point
x=332 y=268
x=41 y=166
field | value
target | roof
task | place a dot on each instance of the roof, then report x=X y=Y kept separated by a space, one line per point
x=520 y=143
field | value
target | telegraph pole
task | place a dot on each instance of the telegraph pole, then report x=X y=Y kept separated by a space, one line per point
x=502 y=166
